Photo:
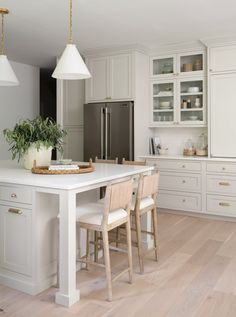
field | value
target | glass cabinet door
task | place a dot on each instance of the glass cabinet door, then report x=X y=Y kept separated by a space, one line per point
x=191 y=64
x=163 y=66
x=192 y=101
x=163 y=102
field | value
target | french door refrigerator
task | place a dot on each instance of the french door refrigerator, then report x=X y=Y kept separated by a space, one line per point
x=109 y=130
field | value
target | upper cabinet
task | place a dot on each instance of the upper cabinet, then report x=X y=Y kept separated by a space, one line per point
x=222 y=59
x=111 y=78
x=184 y=64
x=178 y=90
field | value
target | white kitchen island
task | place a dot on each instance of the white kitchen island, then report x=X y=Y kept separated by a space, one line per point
x=29 y=205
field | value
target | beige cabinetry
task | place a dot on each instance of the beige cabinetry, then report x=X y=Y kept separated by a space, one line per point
x=202 y=185
x=178 y=90
x=221 y=188
x=180 y=184
x=16 y=229
x=111 y=78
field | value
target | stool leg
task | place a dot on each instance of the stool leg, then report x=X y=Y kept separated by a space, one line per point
x=129 y=246
x=107 y=263
x=139 y=241
x=117 y=236
x=87 y=249
x=95 y=246
x=155 y=231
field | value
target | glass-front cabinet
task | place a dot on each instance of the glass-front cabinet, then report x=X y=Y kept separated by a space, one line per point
x=177 y=90
x=185 y=64
x=178 y=102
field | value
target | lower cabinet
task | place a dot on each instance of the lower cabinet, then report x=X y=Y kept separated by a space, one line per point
x=204 y=186
x=179 y=201
x=15 y=239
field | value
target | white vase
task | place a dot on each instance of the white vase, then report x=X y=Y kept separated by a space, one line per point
x=42 y=156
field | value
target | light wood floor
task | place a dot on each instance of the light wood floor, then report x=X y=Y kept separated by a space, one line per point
x=195 y=276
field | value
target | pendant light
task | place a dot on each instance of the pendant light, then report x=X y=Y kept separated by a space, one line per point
x=71 y=65
x=7 y=75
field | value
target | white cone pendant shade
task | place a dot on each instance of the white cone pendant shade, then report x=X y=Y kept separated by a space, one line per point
x=71 y=65
x=7 y=75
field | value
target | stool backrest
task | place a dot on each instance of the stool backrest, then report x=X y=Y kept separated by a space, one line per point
x=148 y=185
x=118 y=196
x=97 y=160
x=141 y=163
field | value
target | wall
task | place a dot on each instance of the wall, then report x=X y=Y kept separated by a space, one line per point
x=175 y=138
x=18 y=102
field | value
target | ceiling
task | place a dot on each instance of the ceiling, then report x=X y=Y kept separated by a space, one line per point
x=36 y=31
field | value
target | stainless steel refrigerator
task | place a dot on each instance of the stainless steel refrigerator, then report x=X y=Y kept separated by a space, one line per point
x=109 y=130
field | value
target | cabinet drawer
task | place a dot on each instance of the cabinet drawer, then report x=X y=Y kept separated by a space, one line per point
x=177 y=181
x=179 y=201
x=179 y=165
x=221 y=205
x=16 y=239
x=16 y=194
x=222 y=185
x=221 y=167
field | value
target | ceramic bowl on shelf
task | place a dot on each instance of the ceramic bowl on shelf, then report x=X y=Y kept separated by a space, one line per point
x=193 y=89
x=164 y=104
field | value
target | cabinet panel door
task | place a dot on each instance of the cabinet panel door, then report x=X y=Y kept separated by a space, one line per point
x=120 y=77
x=15 y=240
x=98 y=84
x=223 y=105
x=223 y=58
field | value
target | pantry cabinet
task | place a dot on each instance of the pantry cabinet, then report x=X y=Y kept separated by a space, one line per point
x=177 y=90
x=111 y=78
x=222 y=108
x=222 y=59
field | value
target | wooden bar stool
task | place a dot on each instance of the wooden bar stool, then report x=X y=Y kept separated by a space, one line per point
x=146 y=201
x=141 y=163
x=115 y=161
x=103 y=218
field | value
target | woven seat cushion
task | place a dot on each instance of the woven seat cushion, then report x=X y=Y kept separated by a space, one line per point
x=92 y=213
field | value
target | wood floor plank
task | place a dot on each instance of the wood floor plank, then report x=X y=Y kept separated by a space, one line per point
x=195 y=277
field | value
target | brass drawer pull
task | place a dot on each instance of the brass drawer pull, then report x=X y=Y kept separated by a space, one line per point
x=183 y=166
x=183 y=181
x=183 y=200
x=13 y=195
x=224 y=204
x=224 y=183
x=223 y=168
x=15 y=211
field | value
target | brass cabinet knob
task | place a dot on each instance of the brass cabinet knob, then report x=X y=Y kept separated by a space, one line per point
x=13 y=195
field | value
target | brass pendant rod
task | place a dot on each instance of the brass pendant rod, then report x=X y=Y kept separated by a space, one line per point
x=70 y=37
x=2 y=36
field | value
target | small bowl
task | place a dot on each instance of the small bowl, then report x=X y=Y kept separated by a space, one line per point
x=193 y=89
x=163 y=151
x=165 y=104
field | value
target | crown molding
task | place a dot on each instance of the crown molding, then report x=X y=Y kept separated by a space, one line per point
x=115 y=49
x=219 y=41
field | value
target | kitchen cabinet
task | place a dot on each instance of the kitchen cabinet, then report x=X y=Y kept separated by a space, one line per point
x=182 y=64
x=222 y=59
x=178 y=102
x=222 y=114
x=221 y=188
x=15 y=239
x=111 y=78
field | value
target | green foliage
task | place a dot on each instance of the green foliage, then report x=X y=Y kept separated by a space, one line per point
x=38 y=131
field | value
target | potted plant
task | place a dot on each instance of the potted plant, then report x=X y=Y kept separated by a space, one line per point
x=34 y=140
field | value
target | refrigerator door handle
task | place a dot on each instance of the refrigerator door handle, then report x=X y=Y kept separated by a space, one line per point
x=102 y=132
x=109 y=140
x=106 y=126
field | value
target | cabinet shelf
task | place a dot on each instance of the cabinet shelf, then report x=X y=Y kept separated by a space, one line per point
x=192 y=109
x=191 y=93
x=163 y=110
x=163 y=96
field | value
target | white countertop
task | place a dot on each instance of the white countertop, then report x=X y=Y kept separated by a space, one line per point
x=13 y=173
x=191 y=158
